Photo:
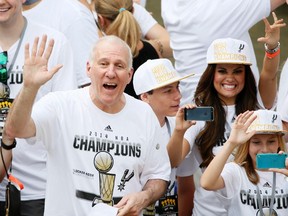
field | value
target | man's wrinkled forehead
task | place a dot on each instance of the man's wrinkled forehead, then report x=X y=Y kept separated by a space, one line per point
x=112 y=50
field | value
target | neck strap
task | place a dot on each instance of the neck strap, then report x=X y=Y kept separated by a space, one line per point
x=272 y=197
x=168 y=126
x=18 y=47
x=2 y=157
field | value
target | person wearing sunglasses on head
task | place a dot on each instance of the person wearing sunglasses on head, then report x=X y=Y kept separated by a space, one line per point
x=29 y=157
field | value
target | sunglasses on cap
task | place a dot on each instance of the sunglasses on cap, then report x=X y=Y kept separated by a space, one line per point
x=4 y=88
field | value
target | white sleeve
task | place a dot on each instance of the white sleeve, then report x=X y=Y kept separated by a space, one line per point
x=188 y=166
x=157 y=163
x=232 y=179
x=192 y=161
x=144 y=18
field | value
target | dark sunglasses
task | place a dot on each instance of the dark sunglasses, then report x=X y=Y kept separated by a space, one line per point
x=4 y=88
x=3 y=68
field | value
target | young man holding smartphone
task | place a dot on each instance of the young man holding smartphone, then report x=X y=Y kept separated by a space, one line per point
x=157 y=83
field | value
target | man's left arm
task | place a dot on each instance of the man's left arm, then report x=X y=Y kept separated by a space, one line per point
x=133 y=204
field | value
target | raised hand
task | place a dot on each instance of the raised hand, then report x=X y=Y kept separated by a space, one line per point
x=239 y=134
x=36 y=71
x=272 y=32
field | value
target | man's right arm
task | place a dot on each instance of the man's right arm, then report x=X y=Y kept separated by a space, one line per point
x=19 y=122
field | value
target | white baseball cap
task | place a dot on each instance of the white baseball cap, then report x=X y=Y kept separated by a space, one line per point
x=267 y=122
x=228 y=51
x=154 y=74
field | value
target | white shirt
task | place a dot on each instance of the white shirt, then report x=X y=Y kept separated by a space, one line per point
x=240 y=195
x=89 y=149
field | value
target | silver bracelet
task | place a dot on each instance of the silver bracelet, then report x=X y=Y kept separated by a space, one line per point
x=271 y=51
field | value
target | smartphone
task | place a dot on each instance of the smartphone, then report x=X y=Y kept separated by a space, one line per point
x=270 y=160
x=199 y=114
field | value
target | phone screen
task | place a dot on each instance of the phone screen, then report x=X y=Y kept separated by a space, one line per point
x=270 y=160
x=199 y=114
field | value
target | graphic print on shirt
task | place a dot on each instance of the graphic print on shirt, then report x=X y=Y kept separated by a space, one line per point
x=107 y=148
x=103 y=162
x=249 y=199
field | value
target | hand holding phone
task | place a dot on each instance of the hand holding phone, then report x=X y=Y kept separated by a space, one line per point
x=199 y=114
x=270 y=160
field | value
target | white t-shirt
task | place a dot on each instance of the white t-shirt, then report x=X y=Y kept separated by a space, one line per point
x=144 y=18
x=94 y=156
x=240 y=195
x=168 y=203
x=29 y=161
x=194 y=24
x=76 y=22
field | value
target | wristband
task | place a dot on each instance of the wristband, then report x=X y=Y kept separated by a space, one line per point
x=8 y=147
x=272 y=50
x=272 y=55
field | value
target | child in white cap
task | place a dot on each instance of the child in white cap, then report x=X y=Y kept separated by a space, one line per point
x=157 y=83
x=240 y=185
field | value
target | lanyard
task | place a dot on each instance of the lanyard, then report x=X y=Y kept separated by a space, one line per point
x=272 y=197
x=18 y=47
x=168 y=126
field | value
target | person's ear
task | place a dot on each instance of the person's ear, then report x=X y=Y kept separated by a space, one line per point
x=145 y=97
x=130 y=75
x=103 y=22
x=88 y=69
x=100 y=20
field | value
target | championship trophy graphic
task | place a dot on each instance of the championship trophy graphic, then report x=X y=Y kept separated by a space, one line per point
x=103 y=162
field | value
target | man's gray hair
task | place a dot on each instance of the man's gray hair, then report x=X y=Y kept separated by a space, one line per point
x=111 y=39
